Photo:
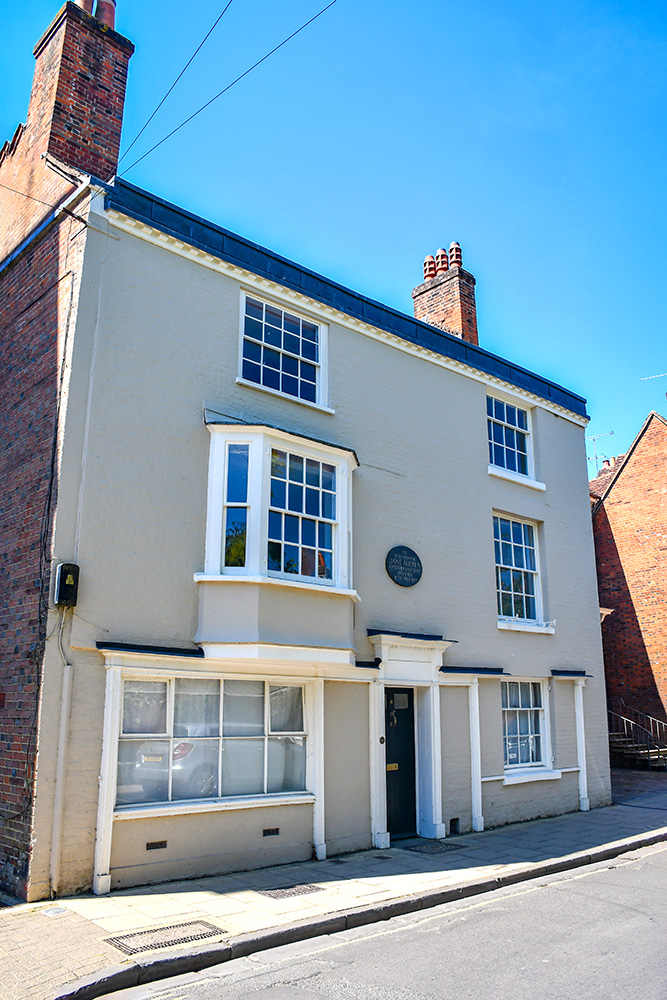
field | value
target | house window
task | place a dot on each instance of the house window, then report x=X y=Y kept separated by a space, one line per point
x=523 y=714
x=281 y=351
x=516 y=568
x=236 y=505
x=279 y=506
x=508 y=435
x=302 y=515
x=187 y=738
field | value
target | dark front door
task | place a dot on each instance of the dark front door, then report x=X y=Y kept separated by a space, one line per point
x=400 y=736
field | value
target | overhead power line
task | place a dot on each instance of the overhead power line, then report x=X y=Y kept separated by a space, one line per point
x=230 y=85
x=187 y=65
x=30 y=196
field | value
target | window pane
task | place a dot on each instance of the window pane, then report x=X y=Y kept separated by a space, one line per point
x=308 y=532
x=140 y=778
x=296 y=468
x=291 y=559
x=290 y=385
x=278 y=464
x=324 y=535
x=512 y=750
x=291 y=528
x=271 y=378
x=237 y=473
x=235 y=536
x=537 y=695
x=329 y=506
x=275 y=525
x=196 y=708
x=145 y=707
x=252 y=351
x=271 y=359
x=254 y=308
x=513 y=694
x=309 y=331
x=537 y=749
x=286 y=707
x=253 y=328
x=308 y=562
x=308 y=391
x=243 y=708
x=194 y=769
x=525 y=695
x=275 y=556
x=287 y=764
x=292 y=324
x=252 y=372
x=295 y=501
x=274 y=316
x=503 y=693
x=312 y=472
x=242 y=767
x=489 y=406
x=278 y=493
x=324 y=566
x=151 y=769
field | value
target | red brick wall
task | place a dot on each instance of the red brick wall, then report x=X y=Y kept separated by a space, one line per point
x=630 y=531
x=448 y=301
x=75 y=115
x=29 y=293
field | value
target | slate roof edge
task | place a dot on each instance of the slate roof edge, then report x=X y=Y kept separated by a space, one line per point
x=208 y=236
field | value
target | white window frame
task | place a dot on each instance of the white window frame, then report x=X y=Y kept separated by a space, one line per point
x=169 y=737
x=321 y=401
x=499 y=471
x=515 y=774
x=261 y=440
x=513 y=623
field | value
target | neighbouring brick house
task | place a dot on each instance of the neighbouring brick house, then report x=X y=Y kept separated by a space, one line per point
x=629 y=499
x=336 y=563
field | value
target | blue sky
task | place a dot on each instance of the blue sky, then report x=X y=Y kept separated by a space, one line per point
x=533 y=134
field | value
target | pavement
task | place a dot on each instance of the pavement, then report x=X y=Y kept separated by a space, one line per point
x=87 y=946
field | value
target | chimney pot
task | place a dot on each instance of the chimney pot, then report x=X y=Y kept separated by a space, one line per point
x=106 y=12
x=86 y=5
x=429 y=268
x=447 y=296
x=441 y=261
x=455 y=257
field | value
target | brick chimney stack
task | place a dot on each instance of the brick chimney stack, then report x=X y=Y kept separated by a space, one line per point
x=447 y=296
x=74 y=116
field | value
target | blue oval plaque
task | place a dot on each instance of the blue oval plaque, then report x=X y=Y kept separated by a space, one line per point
x=403 y=566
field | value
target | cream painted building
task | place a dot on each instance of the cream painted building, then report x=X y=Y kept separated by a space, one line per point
x=337 y=582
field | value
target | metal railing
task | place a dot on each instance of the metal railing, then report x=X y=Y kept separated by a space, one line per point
x=632 y=739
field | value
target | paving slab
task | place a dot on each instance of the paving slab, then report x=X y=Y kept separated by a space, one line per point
x=62 y=948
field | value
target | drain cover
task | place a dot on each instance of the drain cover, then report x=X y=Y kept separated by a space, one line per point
x=289 y=890
x=433 y=848
x=164 y=937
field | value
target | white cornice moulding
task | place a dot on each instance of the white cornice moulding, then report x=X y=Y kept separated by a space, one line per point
x=327 y=314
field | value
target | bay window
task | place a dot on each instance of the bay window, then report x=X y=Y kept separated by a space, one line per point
x=279 y=507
